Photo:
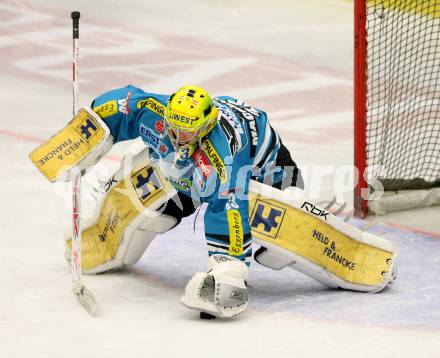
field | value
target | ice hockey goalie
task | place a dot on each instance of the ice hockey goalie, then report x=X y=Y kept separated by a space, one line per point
x=222 y=152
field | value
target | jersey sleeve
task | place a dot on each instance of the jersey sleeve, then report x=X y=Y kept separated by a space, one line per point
x=264 y=142
x=121 y=110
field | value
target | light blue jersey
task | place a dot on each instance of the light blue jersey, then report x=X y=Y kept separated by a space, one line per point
x=241 y=146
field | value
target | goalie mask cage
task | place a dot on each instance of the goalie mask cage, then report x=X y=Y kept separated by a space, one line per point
x=397 y=101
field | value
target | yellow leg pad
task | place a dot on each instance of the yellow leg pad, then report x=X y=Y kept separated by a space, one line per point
x=125 y=201
x=315 y=240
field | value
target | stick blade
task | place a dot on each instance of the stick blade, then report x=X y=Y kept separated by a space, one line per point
x=85 y=298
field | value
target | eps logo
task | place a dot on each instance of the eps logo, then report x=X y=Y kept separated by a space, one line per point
x=266 y=218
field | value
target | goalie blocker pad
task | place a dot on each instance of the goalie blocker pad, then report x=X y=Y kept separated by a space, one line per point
x=82 y=142
x=127 y=218
x=301 y=235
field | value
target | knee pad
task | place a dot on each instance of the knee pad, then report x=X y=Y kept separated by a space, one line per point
x=137 y=239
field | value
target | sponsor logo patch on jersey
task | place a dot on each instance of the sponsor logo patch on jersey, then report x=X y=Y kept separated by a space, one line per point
x=202 y=163
x=159 y=126
x=235 y=233
x=149 y=135
x=152 y=105
x=216 y=160
x=106 y=109
x=123 y=104
x=163 y=149
x=181 y=183
x=232 y=203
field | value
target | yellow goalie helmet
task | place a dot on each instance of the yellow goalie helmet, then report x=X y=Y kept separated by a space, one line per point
x=189 y=116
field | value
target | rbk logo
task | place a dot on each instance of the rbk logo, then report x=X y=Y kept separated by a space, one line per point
x=109 y=183
x=311 y=208
x=267 y=218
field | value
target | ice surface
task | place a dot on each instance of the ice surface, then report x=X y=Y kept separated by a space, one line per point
x=302 y=53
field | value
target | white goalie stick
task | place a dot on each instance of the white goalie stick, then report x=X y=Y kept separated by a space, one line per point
x=85 y=297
